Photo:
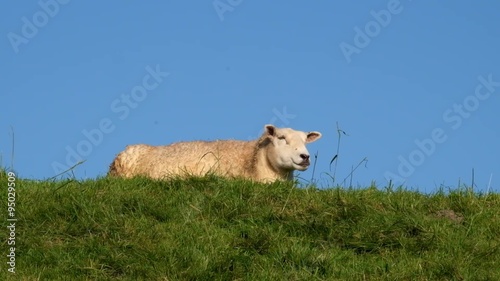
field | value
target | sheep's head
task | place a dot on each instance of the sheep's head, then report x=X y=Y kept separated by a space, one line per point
x=287 y=147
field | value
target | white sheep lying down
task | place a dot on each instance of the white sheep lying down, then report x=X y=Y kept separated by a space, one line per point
x=273 y=156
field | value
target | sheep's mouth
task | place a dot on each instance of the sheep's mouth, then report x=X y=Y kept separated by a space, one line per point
x=303 y=164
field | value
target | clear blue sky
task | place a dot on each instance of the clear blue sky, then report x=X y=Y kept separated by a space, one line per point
x=392 y=73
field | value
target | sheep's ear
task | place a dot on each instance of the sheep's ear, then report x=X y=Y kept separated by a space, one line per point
x=313 y=136
x=270 y=130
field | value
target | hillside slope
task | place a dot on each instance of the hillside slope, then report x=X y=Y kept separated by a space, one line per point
x=214 y=229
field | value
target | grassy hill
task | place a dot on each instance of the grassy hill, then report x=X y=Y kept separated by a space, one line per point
x=214 y=229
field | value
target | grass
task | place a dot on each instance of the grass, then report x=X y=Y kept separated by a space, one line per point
x=215 y=229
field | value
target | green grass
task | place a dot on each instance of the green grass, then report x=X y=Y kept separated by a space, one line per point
x=214 y=229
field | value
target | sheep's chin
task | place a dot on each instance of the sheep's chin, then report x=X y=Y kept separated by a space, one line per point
x=300 y=167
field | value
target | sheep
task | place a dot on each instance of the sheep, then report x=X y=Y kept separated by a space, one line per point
x=273 y=156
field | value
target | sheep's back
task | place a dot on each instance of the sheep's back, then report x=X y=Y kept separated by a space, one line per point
x=223 y=157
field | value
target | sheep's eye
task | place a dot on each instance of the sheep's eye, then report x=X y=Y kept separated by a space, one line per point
x=282 y=138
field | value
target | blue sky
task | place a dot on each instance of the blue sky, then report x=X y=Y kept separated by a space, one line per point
x=412 y=83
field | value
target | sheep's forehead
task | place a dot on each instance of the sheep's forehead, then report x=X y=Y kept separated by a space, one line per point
x=292 y=134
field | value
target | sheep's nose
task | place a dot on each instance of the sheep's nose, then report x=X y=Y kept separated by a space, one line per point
x=304 y=156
